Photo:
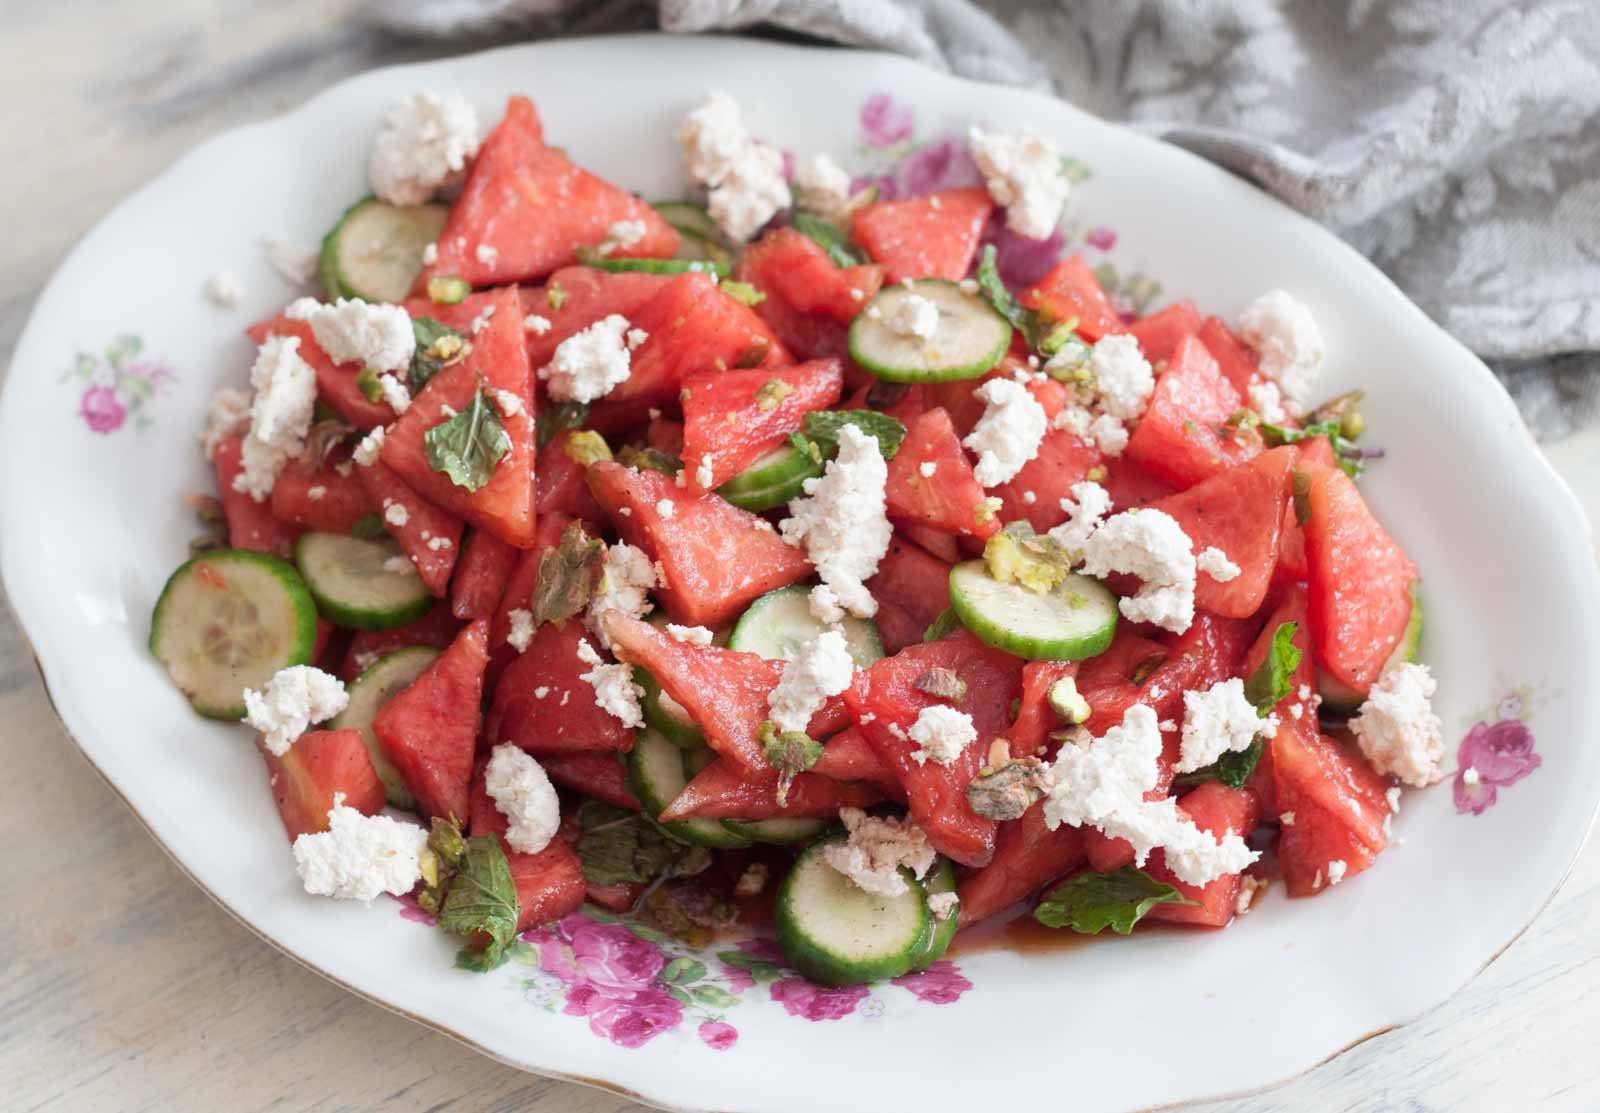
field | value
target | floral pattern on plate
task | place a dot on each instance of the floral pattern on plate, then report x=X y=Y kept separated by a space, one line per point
x=119 y=382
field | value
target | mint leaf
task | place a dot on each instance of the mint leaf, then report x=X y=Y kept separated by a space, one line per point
x=830 y=237
x=994 y=291
x=1350 y=458
x=1273 y=680
x=619 y=847
x=466 y=447
x=822 y=427
x=790 y=752
x=1092 y=902
x=568 y=576
x=553 y=419
x=482 y=901
x=437 y=346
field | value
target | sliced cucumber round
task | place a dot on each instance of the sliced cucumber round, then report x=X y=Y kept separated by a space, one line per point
x=776 y=625
x=375 y=251
x=837 y=933
x=378 y=683
x=970 y=338
x=772 y=480
x=229 y=620
x=1338 y=698
x=660 y=266
x=352 y=581
x=1076 y=620
x=941 y=879
x=665 y=715
x=657 y=773
x=690 y=219
x=778 y=832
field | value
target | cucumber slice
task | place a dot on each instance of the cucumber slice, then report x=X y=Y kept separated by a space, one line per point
x=666 y=716
x=353 y=587
x=778 y=832
x=228 y=620
x=375 y=251
x=941 y=879
x=838 y=934
x=690 y=219
x=657 y=773
x=776 y=625
x=661 y=266
x=1075 y=621
x=695 y=249
x=772 y=480
x=970 y=339
x=378 y=683
x=1338 y=698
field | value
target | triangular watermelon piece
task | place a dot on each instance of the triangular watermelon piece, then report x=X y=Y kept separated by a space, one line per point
x=336 y=382
x=559 y=482
x=1239 y=511
x=715 y=558
x=564 y=719
x=847 y=756
x=549 y=884
x=1034 y=494
x=251 y=524
x=724 y=691
x=328 y=498
x=725 y=789
x=480 y=575
x=526 y=209
x=733 y=418
x=950 y=499
x=1159 y=333
x=1234 y=358
x=1030 y=732
x=602 y=776
x=912 y=588
x=320 y=765
x=1218 y=810
x=431 y=537
x=1291 y=608
x=789 y=265
x=884 y=701
x=576 y=297
x=934 y=236
x=518 y=594
x=498 y=361
x=436 y=629
x=430 y=730
x=1027 y=856
x=1185 y=436
x=1337 y=802
x=1070 y=291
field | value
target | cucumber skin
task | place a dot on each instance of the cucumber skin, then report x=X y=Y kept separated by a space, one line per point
x=742 y=490
x=656 y=718
x=397 y=794
x=359 y=618
x=757 y=831
x=859 y=340
x=287 y=574
x=941 y=879
x=695 y=832
x=1027 y=648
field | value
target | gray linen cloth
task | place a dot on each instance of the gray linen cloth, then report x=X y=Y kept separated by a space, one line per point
x=1455 y=142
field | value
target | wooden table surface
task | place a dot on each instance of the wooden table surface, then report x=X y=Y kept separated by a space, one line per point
x=123 y=987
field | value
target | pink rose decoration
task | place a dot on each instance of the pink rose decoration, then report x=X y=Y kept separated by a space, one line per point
x=717 y=1035
x=885 y=123
x=885 y=184
x=102 y=411
x=764 y=949
x=636 y=1020
x=736 y=980
x=1021 y=261
x=943 y=164
x=1501 y=753
x=939 y=984
x=410 y=910
x=810 y=1001
x=612 y=958
x=1101 y=239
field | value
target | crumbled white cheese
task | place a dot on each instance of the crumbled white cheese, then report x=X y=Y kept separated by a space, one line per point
x=1287 y=819
x=521 y=634
x=360 y=856
x=927 y=468
x=1007 y=436
x=508 y=403
x=614 y=689
x=1023 y=172
x=353 y=331
x=1217 y=721
x=689 y=635
x=1215 y=563
x=706 y=473
x=1267 y=401
x=666 y=508
x=626 y=577
x=395 y=393
x=224 y=290
x=822 y=186
x=366 y=452
x=1336 y=871
x=423 y=145
x=316 y=493
x=590 y=363
x=296 y=263
x=481 y=321
x=1085 y=511
x=840 y=521
x=280 y=415
x=1397 y=729
x=914 y=316
x=523 y=793
x=821 y=669
x=942 y=734
x=744 y=176
x=1123 y=379
x=1288 y=344
x=487 y=254
x=1251 y=890
x=1151 y=545
x=291 y=702
x=229 y=416
x=621 y=236
x=943 y=905
x=430 y=254
x=536 y=324
x=877 y=849
x=395 y=513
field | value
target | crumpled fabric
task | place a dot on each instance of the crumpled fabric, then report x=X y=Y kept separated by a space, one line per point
x=1456 y=143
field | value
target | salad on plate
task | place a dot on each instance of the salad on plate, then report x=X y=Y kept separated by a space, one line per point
x=777 y=556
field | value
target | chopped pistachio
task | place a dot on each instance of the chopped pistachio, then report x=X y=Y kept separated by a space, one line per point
x=448 y=289
x=772 y=392
x=1067 y=702
x=587 y=448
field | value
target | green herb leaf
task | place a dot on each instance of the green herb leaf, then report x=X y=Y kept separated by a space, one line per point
x=994 y=291
x=482 y=901
x=790 y=752
x=947 y=622
x=1092 y=902
x=822 y=429
x=367 y=383
x=619 y=847
x=830 y=237
x=369 y=527
x=562 y=415
x=568 y=576
x=1345 y=452
x=466 y=447
x=438 y=345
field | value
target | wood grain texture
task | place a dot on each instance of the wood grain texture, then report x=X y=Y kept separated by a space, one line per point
x=122 y=987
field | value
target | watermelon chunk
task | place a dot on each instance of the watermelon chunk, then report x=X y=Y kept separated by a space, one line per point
x=1063 y=460
x=1030 y=733
x=438 y=628
x=1239 y=511
x=550 y=884
x=320 y=498
x=498 y=361
x=336 y=382
x=1027 y=857
x=251 y=524
x=601 y=776
x=560 y=486
x=1360 y=581
x=1069 y=291
x=912 y=589
x=725 y=789
x=1159 y=333
x=951 y=499
x=576 y=297
x=847 y=756
x=724 y=691
x=1234 y=358
x=1216 y=809
x=884 y=701
x=519 y=594
x=417 y=528
x=319 y=766
x=933 y=236
x=1184 y=436
x=480 y=576
x=566 y=718
x=786 y=264
x=430 y=730
x=532 y=208
x=714 y=557
x=665 y=435
x=1129 y=485
x=1292 y=608
x=732 y=418
x=1337 y=804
